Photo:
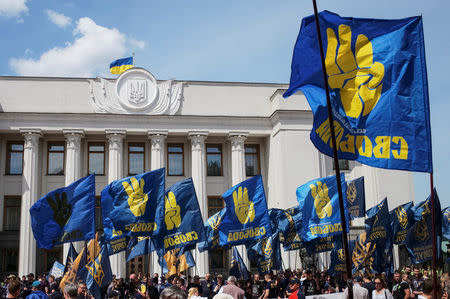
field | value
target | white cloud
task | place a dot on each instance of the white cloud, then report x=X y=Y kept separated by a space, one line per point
x=90 y=54
x=59 y=19
x=136 y=43
x=13 y=8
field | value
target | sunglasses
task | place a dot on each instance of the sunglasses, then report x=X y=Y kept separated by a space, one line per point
x=378 y=283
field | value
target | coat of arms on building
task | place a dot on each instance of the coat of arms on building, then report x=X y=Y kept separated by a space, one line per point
x=136 y=91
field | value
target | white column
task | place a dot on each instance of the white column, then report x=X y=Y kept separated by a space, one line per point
x=30 y=181
x=238 y=172
x=115 y=172
x=157 y=140
x=199 y=178
x=73 y=170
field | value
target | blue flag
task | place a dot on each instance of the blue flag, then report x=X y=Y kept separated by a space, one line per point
x=337 y=263
x=183 y=224
x=142 y=246
x=116 y=240
x=99 y=273
x=211 y=228
x=57 y=270
x=419 y=239
x=319 y=202
x=446 y=223
x=65 y=214
x=266 y=253
x=288 y=224
x=238 y=268
x=136 y=203
x=356 y=198
x=71 y=256
x=401 y=218
x=378 y=88
x=324 y=244
x=378 y=222
x=246 y=217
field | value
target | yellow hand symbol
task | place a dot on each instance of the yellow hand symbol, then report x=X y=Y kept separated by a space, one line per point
x=244 y=209
x=321 y=200
x=357 y=76
x=172 y=215
x=137 y=199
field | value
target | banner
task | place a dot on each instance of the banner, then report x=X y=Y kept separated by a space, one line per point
x=211 y=228
x=324 y=244
x=246 y=217
x=71 y=256
x=99 y=273
x=356 y=198
x=183 y=224
x=266 y=253
x=363 y=254
x=57 y=270
x=140 y=246
x=136 y=203
x=378 y=222
x=378 y=88
x=319 y=202
x=401 y=218
x=446 y=223
x=288 y=224
x=65 y=214
x=237 y=267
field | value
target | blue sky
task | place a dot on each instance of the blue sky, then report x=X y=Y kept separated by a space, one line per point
x=249 y=41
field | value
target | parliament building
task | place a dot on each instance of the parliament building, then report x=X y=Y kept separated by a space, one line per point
x=54 y=131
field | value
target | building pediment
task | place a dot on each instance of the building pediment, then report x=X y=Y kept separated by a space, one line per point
x=136 y=91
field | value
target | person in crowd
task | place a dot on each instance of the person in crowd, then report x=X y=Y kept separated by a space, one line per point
x=193 y=294
x=358 y=291
x=380 y=291
x=151 y=290
x=310 y=285
x=13 y=288
x=368 y=284
x=71 y=291
x=219 y=284
x=416 y=283
x=270 y=290
x=257 y=287
x=400 y=288
x=35 y=292
x=425 y=274
x=232 y=289
x=279 y=285
x=207 y=285
x=294 y=287
x=196 y=284
x=181 y=283
x=427 y=290
x=55 y=293
x=408 y=272
x=173 y=292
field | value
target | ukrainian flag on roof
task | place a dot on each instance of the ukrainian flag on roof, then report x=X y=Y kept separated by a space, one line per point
x=121 y=65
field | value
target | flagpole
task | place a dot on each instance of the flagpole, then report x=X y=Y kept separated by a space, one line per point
x=433 y=232
x=335 y=158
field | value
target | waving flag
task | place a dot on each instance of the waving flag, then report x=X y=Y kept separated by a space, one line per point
x=182 y=217
x=266 y=253
x=246 y=217
x=175 y=262
x=401 y=218
x=119 y=66
x=446 y=223
x=319 y=202
x=378 y=222
x=337 y=263
x=363 y=253
x=71 y=256
x=142 y=246
x=57 y=270
x=238 y=268
x=288 y=224
x=136 y=203
x=99 y=273
x=356 y=198
x=378 y=88
x=211 y=228
x=65 y=214
x=324 y=244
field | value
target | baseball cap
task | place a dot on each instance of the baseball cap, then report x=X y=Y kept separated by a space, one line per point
x=36 y=283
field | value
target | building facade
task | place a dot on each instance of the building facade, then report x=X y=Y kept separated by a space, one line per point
x=54 y=131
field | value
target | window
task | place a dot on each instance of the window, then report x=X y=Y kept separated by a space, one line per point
x=11 y=213
x=343 y=165
x=218 y=258
x=10 y=260
x=98 y=214
x=175 y=163
x=214 y=159
x=96 y=158
x=252 y=159
x=14 y=160
x=136 y=154
x=52 y=255
x=215 y=204
x=55 y=161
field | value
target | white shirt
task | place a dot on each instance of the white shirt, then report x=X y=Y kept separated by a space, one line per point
x=383 y=295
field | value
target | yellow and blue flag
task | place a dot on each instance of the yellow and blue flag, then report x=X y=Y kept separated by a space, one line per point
x=363 y=254
x=378 y=88
x=266 y=253
x=71 y=256
x=119 y=66
x=402 y=218
x=183 y=224
x=176 y=261
x=237 y=267
x=323 y=244
x=446 y=223
x=136 y=204
x=356 y=198
x=65 y=214
x=288 y=224
x=99 y=273
x=319 y=201
x=140 y=246
x=246 y=217
x=378 y=222
x=211 y=228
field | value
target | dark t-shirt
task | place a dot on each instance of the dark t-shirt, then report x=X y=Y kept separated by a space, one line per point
x=370 y=286
x=257 y=290
x=398 y=289
x=272 y=287
x=207 y=288
x=198 y=286
x=309 y=287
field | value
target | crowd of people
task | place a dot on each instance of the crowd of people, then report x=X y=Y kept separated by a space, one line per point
x=405 y=284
